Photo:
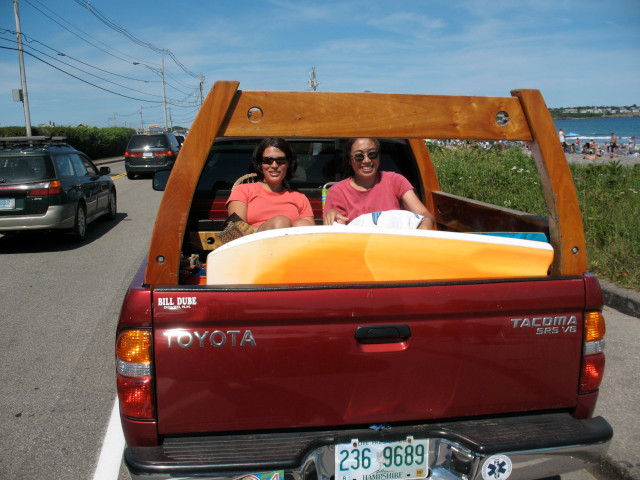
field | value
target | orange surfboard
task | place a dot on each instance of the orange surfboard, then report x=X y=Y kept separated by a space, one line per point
x=343 y=254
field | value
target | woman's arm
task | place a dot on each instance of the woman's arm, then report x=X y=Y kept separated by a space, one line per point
x=411 y=202
x=304 y=222
x=237 y=207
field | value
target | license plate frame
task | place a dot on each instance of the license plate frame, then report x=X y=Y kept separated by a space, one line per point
x=406 y=459
x=7 y=203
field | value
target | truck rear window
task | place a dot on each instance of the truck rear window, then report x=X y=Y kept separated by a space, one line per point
x=319 y=162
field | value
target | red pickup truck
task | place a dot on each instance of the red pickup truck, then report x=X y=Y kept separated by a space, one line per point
x=437 y=375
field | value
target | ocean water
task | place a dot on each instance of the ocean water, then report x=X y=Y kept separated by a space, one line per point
x=599 y=129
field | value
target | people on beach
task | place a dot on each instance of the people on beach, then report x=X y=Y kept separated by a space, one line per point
x=613 y=145
x=271 y=203
x=563 y=139
x=366 y=190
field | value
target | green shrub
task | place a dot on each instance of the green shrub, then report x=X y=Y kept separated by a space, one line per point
x=95 y=142
x=609 y=197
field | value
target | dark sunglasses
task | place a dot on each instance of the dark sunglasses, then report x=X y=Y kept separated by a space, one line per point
x=359 y=157
x=269 y=160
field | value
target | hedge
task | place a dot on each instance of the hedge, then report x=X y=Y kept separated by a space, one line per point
x=95 y=142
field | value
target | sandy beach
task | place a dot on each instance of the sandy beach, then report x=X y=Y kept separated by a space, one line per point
x=626 y=160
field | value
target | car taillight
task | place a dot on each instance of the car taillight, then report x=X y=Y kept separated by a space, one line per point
x=54 y=188
x=593 y=352
x=135 y=380
x=132 y=154
x=163 y=154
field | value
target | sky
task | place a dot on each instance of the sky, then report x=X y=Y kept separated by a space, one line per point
x=99 y=62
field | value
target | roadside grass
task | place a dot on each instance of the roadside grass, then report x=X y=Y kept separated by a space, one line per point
x=609 y=197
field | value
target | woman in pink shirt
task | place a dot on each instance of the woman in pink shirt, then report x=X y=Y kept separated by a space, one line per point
x=271 y=203
x=368 y=190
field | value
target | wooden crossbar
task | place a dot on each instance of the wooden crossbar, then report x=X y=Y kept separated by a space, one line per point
x=320 y=114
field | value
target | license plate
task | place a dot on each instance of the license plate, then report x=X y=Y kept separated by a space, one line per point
x=147 y=154
x=407 y=459
x=7 y=203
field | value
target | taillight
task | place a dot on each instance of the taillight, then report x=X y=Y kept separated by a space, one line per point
x=54 y=188
x=132 y=154
x=593 y=352
x=163 y=154
x=135 y=380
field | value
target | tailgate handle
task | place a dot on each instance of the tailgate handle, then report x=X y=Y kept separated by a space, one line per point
x=382 y=333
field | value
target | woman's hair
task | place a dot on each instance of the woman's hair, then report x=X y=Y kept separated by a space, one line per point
x=347 y=169
x=280 y=144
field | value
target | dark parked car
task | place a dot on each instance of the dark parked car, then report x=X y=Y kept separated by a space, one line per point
x=149 y=152
x=46 y=184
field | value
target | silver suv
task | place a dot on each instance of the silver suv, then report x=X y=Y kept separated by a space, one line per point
x=46 y=184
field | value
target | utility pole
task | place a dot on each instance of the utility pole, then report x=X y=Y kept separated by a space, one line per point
x=201 y=82
x=313 y=83
x=23 y=77
x=164 y=95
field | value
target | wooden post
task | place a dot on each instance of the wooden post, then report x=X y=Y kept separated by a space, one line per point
x=565 y=219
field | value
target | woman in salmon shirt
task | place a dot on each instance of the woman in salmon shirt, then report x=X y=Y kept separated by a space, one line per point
x=271 y=203
x=368 y=190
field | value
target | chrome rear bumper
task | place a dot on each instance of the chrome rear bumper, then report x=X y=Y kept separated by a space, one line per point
x=531 y=447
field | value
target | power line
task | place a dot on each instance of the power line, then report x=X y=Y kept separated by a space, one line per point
x=108 y=50
x=89 y=73
x=111 y=24
x=114 y=26
x=172 y=101
x=82 y=80
x=30 y=39
x=159 y=73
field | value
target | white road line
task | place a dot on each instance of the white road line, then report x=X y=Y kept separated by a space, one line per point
x=108 y=466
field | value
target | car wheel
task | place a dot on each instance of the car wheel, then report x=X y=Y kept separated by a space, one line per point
x=130 y=175
x=79 y=231
x=112 y=209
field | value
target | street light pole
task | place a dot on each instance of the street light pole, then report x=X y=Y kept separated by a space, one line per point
x=23 y=77
x=164 y=94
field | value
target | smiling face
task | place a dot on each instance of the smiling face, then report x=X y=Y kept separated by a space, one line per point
x=365 y=167
x=274 y=167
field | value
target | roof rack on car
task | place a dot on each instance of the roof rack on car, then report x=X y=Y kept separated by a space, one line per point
x=31 y=141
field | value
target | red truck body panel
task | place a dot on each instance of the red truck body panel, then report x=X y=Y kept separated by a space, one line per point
x=300 y=365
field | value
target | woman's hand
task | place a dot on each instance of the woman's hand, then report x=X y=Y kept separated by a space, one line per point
x=333 y=216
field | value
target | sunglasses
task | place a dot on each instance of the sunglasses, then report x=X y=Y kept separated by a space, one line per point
x=269 y=160
x=359 y=157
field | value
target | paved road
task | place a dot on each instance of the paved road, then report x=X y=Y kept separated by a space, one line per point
x=60 y=307
x=619 y=395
